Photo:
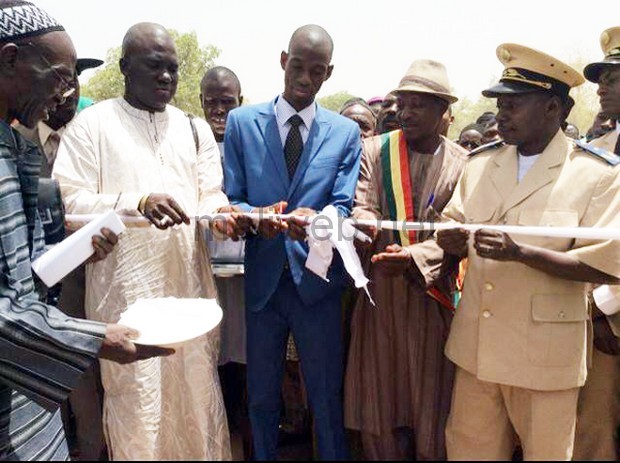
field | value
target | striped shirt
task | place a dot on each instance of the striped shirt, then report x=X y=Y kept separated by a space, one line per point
x=43 y=352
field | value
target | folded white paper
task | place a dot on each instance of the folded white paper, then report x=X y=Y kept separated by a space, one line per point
x=67 y=255
x=607 y=299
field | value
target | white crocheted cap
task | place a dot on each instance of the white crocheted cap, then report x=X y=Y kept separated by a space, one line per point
x=19 y=20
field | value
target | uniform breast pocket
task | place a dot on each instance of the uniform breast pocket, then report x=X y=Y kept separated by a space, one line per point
x=557 y=329
x=478 y=212
x=549 y=218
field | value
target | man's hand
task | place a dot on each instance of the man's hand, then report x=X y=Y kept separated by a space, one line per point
x=269 y=228
x=163 y=211
x=297 y=226
x=393 y=262
x=234 y=226
x=103 y=245
x=496 y=245
x=453 y=241
x=371 y=230
x=119 y=347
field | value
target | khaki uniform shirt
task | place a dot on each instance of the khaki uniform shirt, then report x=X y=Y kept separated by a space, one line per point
x=516 y=325
x=608 y=142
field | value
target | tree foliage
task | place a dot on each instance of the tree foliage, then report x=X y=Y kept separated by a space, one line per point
x=194 y=61
x=466 y=111
x=107 y=82
x=335 y=101
x=586 y=101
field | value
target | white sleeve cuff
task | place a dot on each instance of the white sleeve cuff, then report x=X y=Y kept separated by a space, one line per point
x=607 y=299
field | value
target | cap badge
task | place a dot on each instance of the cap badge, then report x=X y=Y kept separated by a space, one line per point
x=513 y=74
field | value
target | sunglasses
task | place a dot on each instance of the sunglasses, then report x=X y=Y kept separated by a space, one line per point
x=67 y=86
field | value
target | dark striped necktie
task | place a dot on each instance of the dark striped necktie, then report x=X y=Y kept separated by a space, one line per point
x=293 y=146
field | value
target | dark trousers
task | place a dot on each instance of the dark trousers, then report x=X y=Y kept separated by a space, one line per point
x=318 y=337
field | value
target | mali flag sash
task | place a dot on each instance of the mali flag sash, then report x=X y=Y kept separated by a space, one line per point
x=397 y=182
x=399 y=194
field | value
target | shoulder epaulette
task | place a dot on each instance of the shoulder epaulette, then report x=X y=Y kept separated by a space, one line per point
x=607 y=156
x=488 y=146
x=604 y=130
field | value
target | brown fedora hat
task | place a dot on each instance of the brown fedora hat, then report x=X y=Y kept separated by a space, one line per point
x=427 y=76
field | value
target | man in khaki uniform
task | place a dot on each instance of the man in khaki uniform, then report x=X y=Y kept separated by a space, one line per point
x=598 y=409
x=519 y=336
x=606 y=74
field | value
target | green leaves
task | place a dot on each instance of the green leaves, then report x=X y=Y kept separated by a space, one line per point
x=335 y=101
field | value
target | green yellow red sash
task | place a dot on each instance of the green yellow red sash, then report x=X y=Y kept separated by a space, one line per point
x=399 y=194
x=397 y=182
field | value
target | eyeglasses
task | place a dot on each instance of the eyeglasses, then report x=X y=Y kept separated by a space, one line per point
x=68 y=87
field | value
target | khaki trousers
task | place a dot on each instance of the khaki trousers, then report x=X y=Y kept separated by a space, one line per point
x=485 y=417
x=598 y=410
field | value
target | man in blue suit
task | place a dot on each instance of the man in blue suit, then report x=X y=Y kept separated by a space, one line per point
x=291 y=155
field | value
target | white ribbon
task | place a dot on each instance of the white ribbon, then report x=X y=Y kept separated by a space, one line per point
x=592 y=233
x=328 y=230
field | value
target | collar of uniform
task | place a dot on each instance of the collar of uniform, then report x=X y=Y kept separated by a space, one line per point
x=284 y=111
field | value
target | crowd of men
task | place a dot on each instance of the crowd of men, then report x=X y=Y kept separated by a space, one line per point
x=469 y=346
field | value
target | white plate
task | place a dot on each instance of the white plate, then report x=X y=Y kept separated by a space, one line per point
x=170 y=322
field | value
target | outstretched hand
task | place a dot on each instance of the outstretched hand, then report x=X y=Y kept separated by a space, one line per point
x=394 y=261
x=118 y=346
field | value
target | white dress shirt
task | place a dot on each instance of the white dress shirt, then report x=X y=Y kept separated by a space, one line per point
x=525 y=164
x=284 y=111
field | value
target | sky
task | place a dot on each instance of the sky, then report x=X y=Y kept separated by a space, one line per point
x=374 y=41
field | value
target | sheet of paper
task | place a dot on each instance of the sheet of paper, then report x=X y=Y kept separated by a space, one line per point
x=67 y=255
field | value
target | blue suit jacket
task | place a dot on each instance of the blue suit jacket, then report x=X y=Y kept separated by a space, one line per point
x=255 y=175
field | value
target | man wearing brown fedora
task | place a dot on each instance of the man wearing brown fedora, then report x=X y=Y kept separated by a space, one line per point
x=398 y=382
x=598 y=408
x=519 y=336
